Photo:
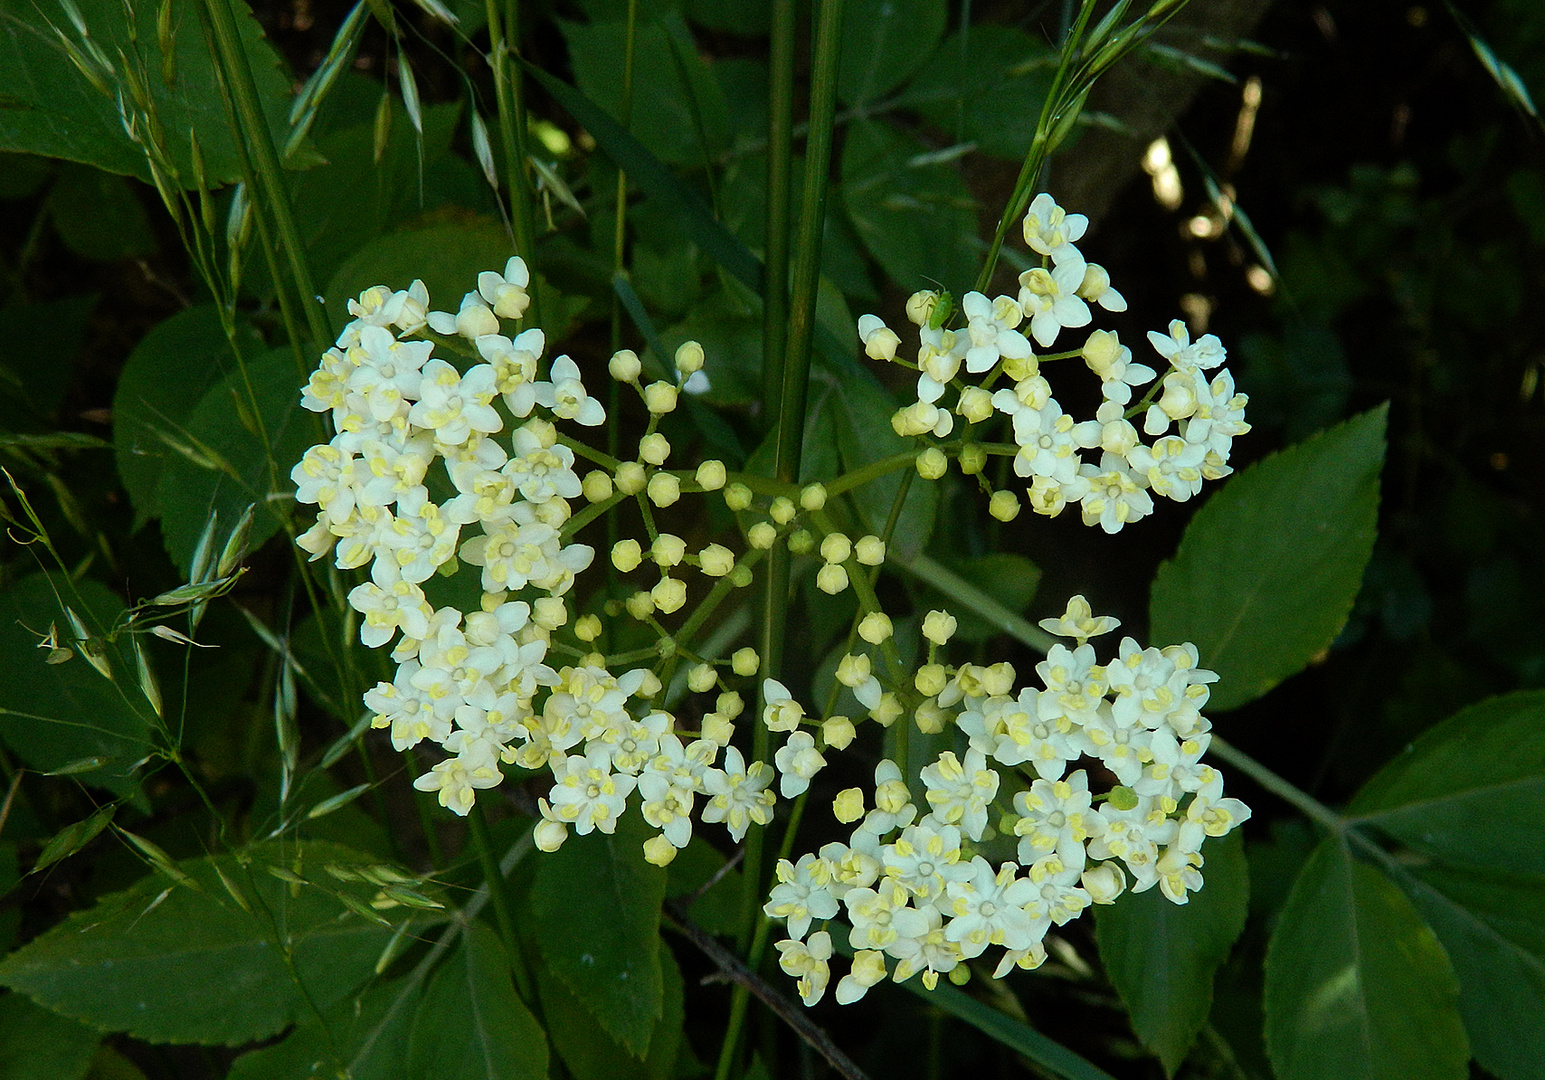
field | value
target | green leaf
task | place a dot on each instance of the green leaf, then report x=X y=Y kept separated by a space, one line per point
x=36 y=1044
x=172 y=964
x=1268 y=568
x=988 y=88
x=1356 y=984
x=678 y=110
x=595 y=904
x=447 y=258
x=1469 y=797
x=99 y=215
x=865 y=435
x=1443 y=796
x=470 y=1024
x=913 y=213
x=366 y=1036
x=1492 y=925
x=884 y=41
x=43 y=340
x=589 y=1054
x=227 y=467
x=55 y=714
x=1007 y=1031
x=166 y=375
x=51 y=109
x=1161 y=957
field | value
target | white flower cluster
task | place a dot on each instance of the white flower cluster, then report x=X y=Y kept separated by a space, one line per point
x=917 y=891
x=1117 y=487
x=480 y=683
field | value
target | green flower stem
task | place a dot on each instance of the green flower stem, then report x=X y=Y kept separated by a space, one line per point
x=270 y=176
x=780 y=144
x=951 y=584
x=493 y=878
x=1313 y=809
x=510 y=97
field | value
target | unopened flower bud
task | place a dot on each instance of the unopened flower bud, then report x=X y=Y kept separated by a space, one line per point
x=587 y=628
x=848 y=806
x=631 y=478
x=930 y=717
x=880 y=341
x=730 y=703
x=658 y=850
x=648 y=686
x=550 y=612
x=762 y=535
x=668 y=550
x=626 y=555
x=875 y=627
x=1004 y=505
x=745 y=661
x=837 y=732
x=640 y=605
x=853 y=670
x=660 y=398
x=597 y=486
x=782 y=510
x=812 y=497
x=870 y=550
x=689 y=358
x=669 y=595
x=998 y=679
x=701 y=678
x=932 y=464
x=832 y=578
x=711 y=475
x=973 y=458
x=939 y=627
x=1104 y=882
x=930 y=679
x=664 y=489
x=654 y=449
x=624 y=366
x=716 y=560
x=920 y=306
x=886 y=712
x=975 y=404
x=737 y=496
x=836 y=548
x=741 y=576
x=800 y=541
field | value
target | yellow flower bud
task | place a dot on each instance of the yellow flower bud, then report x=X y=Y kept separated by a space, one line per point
x=702 y=678
x=932 y=464
x=716 y=560
x=730 y=703
x=939 y=626
x=930 y=717
x=832 y=578
x=664 y=489
x=624 y=366
x=654 y=449
x=587 y=628
x=886 y=712
x=1004 y=505
x=813 y=497
x=640 y=605
x=737 y=496
x=689 y=358
x=668 y=550
x=930 y=679
x=745 y=661
x=975 y=404
x=762 y=535
x=669 y=595
x=870 y=550
x=597 y=486
x=631 y=478
x=837 y=732
x=711 y=475
x=550 y=612
x=660 y=398
x=973 y=458
x=875 y=627
x=626 y=555
x=782 y=510
x=836 y=548
x=717 y=728
x=658 y=850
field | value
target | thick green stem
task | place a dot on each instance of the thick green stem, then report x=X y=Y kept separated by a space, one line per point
x=510 y=96
x=493 y=878
x=274 y=193
x=780 y=144
x=1312 y=807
